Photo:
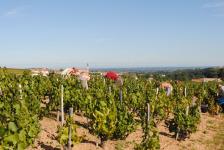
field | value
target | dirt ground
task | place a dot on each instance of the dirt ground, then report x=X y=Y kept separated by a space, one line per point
x=210 y=136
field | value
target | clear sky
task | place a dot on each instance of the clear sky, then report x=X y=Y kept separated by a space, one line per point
x=111 y=33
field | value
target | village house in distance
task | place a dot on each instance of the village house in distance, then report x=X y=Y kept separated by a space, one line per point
x=40 y=71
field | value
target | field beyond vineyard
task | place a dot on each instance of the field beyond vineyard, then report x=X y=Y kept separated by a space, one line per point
x=14 y=70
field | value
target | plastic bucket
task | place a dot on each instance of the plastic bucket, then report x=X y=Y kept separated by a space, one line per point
x=204 y=108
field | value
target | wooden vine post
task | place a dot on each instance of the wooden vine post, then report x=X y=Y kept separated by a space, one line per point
x=70 y=130
x=148 y=120
x=20 y=91
x=203 y=94
x=121 y=95
x=104 y=81
x=58 y=110
x=148 y=113
x=62 y=105
x=177 y=135
x=109 y=90
x=58 y=115
x=185 y=94
x=157 y=93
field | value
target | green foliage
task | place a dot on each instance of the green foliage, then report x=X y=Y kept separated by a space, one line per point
x=104 y=122
x=186 y=114
x=109 y=118
x=19 y=123
x=125 y=123
x=211 y=96
x=63 y=133
x=151 y=136
x=183 y=124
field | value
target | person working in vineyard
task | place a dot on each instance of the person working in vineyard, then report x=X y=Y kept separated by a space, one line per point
x=168 y=88
x=221 y=87
x=221 y=96
x=111 y=75
x=81 y=74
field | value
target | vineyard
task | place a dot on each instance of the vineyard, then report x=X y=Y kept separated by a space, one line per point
x=113 y=111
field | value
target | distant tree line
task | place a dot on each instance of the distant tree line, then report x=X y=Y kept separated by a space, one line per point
x=187 y=74
x=196 y=73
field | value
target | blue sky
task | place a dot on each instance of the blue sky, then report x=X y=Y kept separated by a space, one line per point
x=111 y=33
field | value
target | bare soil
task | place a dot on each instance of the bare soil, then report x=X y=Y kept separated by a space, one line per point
x=210 y=136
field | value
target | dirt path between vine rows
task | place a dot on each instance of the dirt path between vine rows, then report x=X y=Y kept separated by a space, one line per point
x=210 y=136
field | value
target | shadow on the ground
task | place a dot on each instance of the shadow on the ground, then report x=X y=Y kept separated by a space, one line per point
x=88 y=142
x=166 y=134
x=47 y=147
x=84 y=125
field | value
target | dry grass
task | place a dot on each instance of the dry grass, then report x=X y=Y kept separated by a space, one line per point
x=217 y=142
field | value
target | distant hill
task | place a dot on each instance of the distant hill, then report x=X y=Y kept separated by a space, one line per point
x=146 y=69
